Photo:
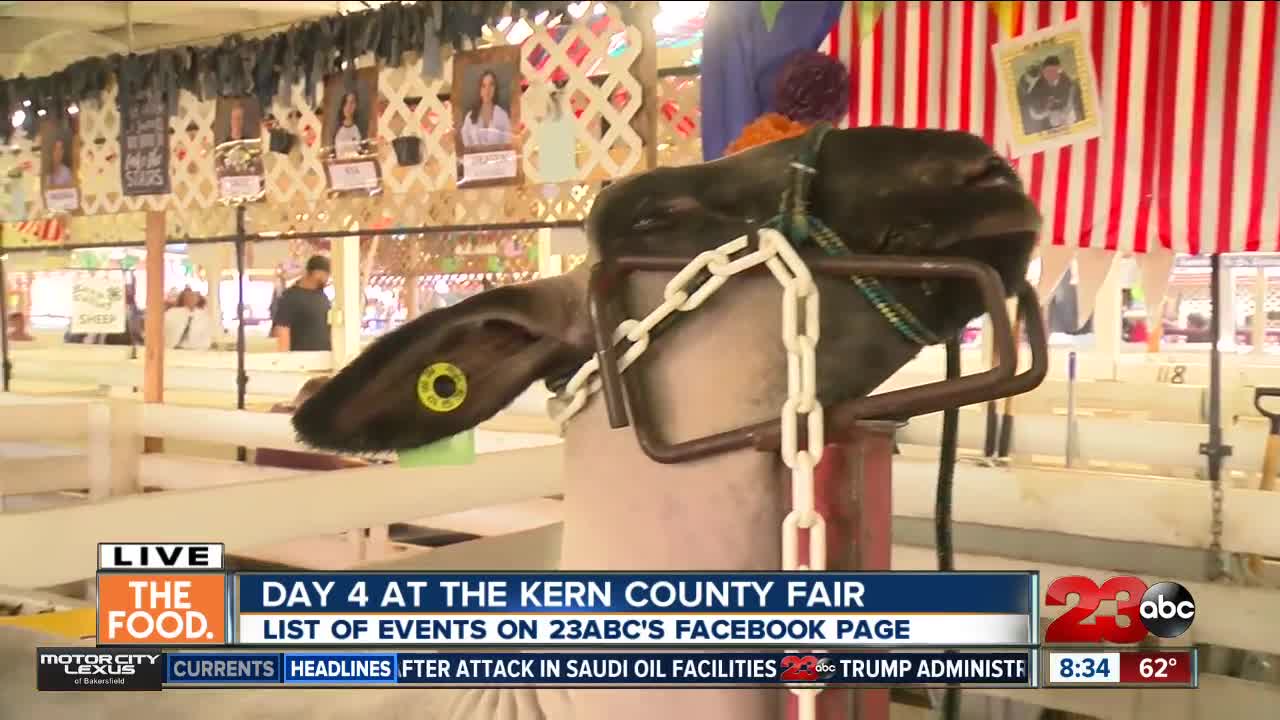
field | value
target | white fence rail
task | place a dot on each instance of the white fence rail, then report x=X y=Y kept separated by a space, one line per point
x=248 y=507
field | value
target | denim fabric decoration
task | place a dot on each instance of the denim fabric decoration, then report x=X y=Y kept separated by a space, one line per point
x=741 y=58
x=432 y=63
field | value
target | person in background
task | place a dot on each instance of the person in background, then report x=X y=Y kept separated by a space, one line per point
x=302 y=312
x=347 y=136
x=297 y=460
x=59 y=171
x=133 y=324
x=486 y=121
x=187 y=325
x=1198 y=330
x=1057 y=95
x=235 y=121
x=18 y=327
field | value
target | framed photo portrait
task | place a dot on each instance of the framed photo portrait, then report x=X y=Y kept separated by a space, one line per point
x=60 y=164
x=486 y=115
x=1048 y=88
x=348 y=130
x=237 y=153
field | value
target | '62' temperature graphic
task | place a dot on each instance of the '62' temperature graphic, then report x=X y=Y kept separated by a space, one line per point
x=806 y=668
x=1165 y=610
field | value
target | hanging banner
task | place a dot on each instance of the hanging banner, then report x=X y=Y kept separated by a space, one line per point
x=59 y=163
x=13 y=186
x=1049 y=89
x=97 y=302
x=237 y=156
x=144 y=146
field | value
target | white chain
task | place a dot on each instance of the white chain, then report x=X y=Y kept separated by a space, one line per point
x=799 y=303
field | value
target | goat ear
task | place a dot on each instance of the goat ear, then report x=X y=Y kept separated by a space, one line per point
x=449 y=370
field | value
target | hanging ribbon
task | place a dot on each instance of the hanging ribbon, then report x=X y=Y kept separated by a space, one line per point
x=868 y=15
x=1007 y=13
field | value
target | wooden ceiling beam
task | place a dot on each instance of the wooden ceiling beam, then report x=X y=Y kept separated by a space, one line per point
x=93 y=14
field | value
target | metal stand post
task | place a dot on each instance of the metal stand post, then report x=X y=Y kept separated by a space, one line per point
x=242 y=379
x=1215 y=450
x=1072 y=428
x=6 y=367
x=853 y=493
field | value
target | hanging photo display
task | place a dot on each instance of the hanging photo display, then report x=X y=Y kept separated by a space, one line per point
x=557 y=141
x=59 y=164
x=144 y=145
x=237 y=155
x=348 y=131
x=486 y=116
x=97 y=302
x=1049 y=88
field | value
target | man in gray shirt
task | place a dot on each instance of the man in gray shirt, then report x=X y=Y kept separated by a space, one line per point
x=302 y=311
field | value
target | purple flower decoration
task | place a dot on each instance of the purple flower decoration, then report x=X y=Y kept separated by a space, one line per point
x=812 y=87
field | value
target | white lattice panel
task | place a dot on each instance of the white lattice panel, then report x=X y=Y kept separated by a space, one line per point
x=679 y=120
x=615 y=152
x=191 y=178
x=100 y=156
x=298 y=176
x=426 y=117
x=19 y=159
x=297 y=196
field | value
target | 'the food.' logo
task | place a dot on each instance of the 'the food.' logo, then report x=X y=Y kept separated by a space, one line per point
x=1165 y=610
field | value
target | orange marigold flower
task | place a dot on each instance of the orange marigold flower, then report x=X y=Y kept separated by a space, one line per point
x=767 y=128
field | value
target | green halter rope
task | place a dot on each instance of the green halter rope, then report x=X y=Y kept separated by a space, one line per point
x=794 y=221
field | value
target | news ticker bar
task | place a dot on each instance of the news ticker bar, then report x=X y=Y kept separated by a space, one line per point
x=63 y=669
x=90 y=669
x=178 y=595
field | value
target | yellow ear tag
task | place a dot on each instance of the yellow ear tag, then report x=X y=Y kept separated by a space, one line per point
x=442 y=387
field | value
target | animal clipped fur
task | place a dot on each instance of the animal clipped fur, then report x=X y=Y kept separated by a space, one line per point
x=884 y=190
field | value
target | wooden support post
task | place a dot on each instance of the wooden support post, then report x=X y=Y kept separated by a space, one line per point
x=345 y=317
x=412 y=297
x=153 y=327
x=1259 y=329
x=1107 y=316
x=545 y=254
x=645 y=122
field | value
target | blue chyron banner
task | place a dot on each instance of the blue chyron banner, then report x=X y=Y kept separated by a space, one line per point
x=636 y=610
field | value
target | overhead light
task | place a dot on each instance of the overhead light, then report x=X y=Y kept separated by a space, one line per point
x=578 y=9
x=599 y=9
x=19 y=117
x=542 y=17
x=673 y=15
x=41 y=112
x=519 y=33
x=504 y=23
x=26 y=103
x=73 y=109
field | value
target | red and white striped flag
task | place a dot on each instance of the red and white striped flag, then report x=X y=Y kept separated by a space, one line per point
x=1188 y=95
x=1219 y=171
x=49 y=230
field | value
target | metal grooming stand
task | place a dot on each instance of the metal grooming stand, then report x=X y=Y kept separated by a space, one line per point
x=854 y=481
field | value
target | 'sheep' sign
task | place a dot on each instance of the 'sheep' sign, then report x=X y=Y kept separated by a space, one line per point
x=97 y=302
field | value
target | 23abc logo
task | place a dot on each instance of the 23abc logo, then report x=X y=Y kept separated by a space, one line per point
x=1165 y=610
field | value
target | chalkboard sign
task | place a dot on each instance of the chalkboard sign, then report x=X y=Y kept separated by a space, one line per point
x=144 y=146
